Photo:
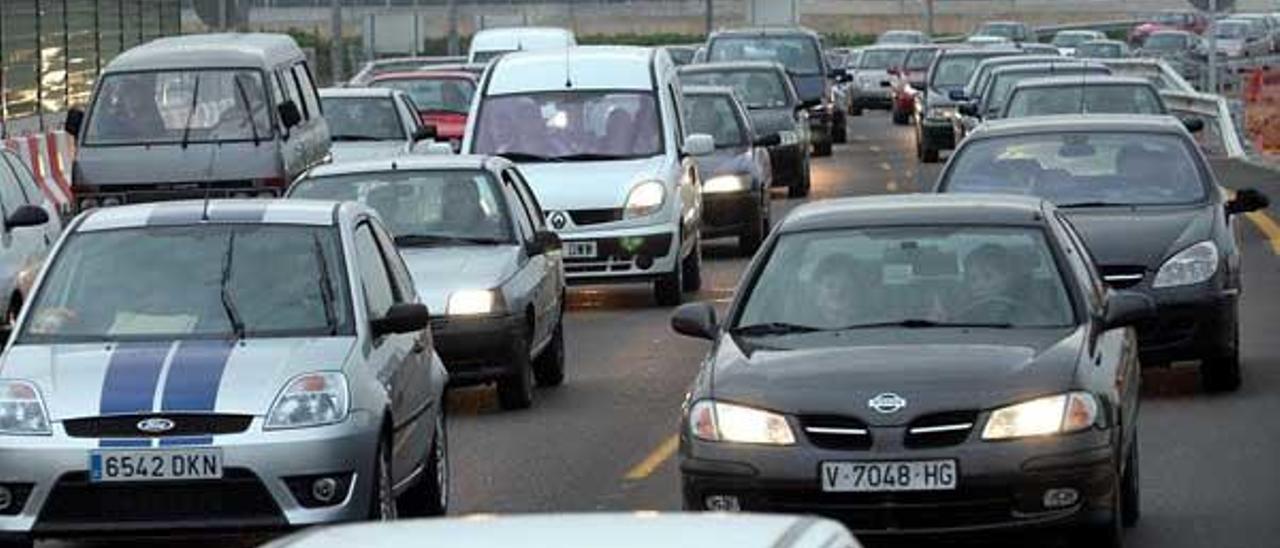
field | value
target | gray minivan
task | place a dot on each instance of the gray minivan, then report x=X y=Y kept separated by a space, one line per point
x=200 y=116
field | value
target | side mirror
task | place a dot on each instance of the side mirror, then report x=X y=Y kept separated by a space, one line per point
x=957 y=95
x=425 y=133
x=699 y=144
x=1245 y=200
x=806 y=105
x=1125 y=308
x=401 y=318
x=771 y=140
x=73 y=121
x=840 y=75
x=545 y=241
x=695 y=320
x=27 y=215
x=968 y=109
x=1194 y=125
x=290 y=116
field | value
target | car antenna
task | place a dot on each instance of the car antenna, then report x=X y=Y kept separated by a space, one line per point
x=568 y=76
x=204 y=214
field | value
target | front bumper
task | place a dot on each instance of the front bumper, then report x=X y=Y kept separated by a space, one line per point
x=253 y=494
x=623 y=255
x=881 y=98
x=476 y=348
x=1001 y=485
x=728 y=213
x=1192 y=323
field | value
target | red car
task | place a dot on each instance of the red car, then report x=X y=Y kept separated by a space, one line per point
x=443 y=98
x=1187 y=20
x=907 y=82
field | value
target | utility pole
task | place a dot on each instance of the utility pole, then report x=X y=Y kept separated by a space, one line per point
x=1213 y=46
x=928 y=18
x=417 y=31
x=222 y=15
x=335 y=41
x=454 y=47
x=711 y=16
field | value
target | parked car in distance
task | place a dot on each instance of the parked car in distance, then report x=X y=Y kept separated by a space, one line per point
x=1242 y=38
x=872 y=88
x=32 y=225
x=1013 y=31
x=488 y=44
x=1089 y=94
x=1191 y=21
x=738 y=175
x=1103 y=49
x=908 y=82
x=908 y=37
x=635 y=530
x=367 y=123
x=398 y=64
x=1068 y=40
x=473 y=236
x=443 y=99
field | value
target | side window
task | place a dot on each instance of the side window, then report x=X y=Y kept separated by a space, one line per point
x=26 y=180
x=374 y=280
x=290 y=87
x=10 y=193
x=308 y=89
x=295 y=85
x=404 y=288
x=519 y=209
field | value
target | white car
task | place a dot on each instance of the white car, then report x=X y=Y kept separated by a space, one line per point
x=599 y=133
x=617 y=530
x=1067 y=40
x=372 y=123
x=487 y=45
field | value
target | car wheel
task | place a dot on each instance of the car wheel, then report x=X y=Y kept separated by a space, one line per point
x=515 y=389
x=1222 y=373
x=1131 y=485
x=822 y=148
x=1108 y=533
x=840 y=134
x=430 y=496
x=666 y=289
x=757 y=227
x=928 y=154
x=548 y=369
x=382 y=501
x=691 y=278
x=800 y=187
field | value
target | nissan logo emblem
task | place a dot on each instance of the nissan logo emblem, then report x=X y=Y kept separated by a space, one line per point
x=558 y=220
x=155 y=425
x=887 y=403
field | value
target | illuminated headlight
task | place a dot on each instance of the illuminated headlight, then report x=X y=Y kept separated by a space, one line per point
x=645 y=199
x=473 y=302
x=726 y=183
x=725 y=422
x=22 y=409
x=942 y=112
x=1192 y=265
x=313 y=399
x=1061 y=414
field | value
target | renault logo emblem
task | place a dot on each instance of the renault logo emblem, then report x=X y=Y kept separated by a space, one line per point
x=558 y=220
x=155 y=425
x=887 y=403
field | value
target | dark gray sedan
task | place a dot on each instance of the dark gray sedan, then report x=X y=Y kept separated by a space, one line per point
x=474 y=238
x=925 y=364
x=1142 y=197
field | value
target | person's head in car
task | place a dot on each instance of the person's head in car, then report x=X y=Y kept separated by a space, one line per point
x=132 y=109
x=991 y=272
x=462 y=213
x=841 y=292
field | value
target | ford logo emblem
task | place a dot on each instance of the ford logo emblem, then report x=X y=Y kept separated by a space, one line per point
x=155 y=425
x=887 y=403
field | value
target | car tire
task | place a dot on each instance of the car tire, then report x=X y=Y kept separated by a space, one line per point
x=382 y=500
x=757 y=228
x=799 y=188
x=515 y=389
x=1131 y=486
x=548 y=369
x=667 y=288
x=928 y=154
x=430 y=496
x=900 y=118
x=1221 y=373
x=822 y=148
x=691 y=278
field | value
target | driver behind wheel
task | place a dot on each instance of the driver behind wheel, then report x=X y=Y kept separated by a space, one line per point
x=992 y=275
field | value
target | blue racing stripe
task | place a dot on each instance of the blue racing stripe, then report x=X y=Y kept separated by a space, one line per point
x=120 y=443
x=181 y=441
x=195 y=374
x=130 y=383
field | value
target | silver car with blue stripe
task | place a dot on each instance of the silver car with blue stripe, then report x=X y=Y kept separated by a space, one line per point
x=195 y=367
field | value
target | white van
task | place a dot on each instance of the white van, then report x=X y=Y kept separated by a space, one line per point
x=488 y=44
x=599 y=133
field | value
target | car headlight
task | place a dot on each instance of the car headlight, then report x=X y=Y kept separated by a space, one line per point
x=726 y=183
x=22 y=409
x=1192 y=265
x=312 y=399
x=474 y=302
x=725 y=422
x=645 y=199
x=1060 y=414
x=942 y=112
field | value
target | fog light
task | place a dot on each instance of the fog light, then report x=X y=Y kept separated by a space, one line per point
x=1061 y=498
x=723 y=503
x=110 y=202
x=324 y=489
x=6 y=498
x=644 y=262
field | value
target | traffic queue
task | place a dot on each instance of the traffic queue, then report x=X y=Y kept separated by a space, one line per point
x=264 y=289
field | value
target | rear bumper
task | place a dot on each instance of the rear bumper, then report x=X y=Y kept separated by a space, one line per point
x=729 y=213
x=1192 y=324
x=476 y=349
x=938 y=133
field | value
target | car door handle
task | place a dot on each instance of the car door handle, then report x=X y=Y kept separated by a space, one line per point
x=418 y=347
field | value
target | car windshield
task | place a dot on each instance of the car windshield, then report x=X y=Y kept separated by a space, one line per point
x=1071 y=39
x=1101 y=51
x=1171 y=19
x=880 y=59
x=362 y=119
x=1002 y=30
x=953 y=71
x=925 y=276
x=755 y=88
x=486 y=56
x=1078 y=169
x=1108 y=99
x=1001 y=83
x=920 y=59
x=899 y=37
x=435 y=94
x=1232 y=30
x=455 y=207
x=714 y=115
x=799 y=54
x=169 y=107
x=209 y=280
x=1167 y=41
x=570 y=125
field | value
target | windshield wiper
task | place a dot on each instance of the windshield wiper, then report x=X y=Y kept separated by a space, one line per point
x=248 y=110
x=326 y=290
x=195 y=99
x=919 y=323
x=355 y=138
x=589 y=157
x=1077 y=205
x=237 y=326
x=528 y=157
x=773 y=328
x=411 y=240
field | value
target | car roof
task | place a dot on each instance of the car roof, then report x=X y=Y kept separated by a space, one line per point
x=426 y=74
x=583 y=67
x=420 y=162
x=1174 y=31
x=363 y=93
x=766 y=31
x=1065 y=64
x=193 y=212
x=915 y=210
x=733 y=66
x=963 y=51
x=902 y=47
x=1021 y=59
x=1087 y=80
x=548 y=32
x=1144 y=123
x=226 y=50
x=1104 y=41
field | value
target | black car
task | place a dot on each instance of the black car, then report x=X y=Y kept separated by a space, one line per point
x=773 y=106
x=736 y=177
x=950 y=71
x=1145 y=201
x=926 y=364
x=799 y=51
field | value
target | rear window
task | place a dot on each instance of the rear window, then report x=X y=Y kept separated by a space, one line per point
x=799 y=54
x=435 y=94
x=953 y=71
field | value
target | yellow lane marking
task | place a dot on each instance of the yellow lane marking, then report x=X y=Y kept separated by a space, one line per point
x=1268 y=226
x=655 y=459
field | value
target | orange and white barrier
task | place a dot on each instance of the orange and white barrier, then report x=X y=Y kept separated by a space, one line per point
x=49 y=155
x=1262 y=109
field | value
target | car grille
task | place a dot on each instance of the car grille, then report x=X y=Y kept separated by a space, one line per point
x=836 y=432
x=940 y=429
x=1122 y=276
x=238 y=497
x=584 y=217
x=126 y=426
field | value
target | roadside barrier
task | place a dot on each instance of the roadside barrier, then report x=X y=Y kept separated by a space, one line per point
x=1262 y=109
x=49 y=157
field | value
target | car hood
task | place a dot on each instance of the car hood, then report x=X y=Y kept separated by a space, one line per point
x=91 y=379
x=369 y=150
x=935 y=370
x=439 y=271
x=725 y=161
x=589 y=185
x=104 y=166
x=1145 y=236
x=772 y=120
